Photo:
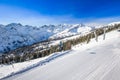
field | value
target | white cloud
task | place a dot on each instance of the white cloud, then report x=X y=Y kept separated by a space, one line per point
x=10 y=14
x=102 y=21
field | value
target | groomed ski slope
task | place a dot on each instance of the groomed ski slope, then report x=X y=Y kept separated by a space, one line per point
x=94 y=61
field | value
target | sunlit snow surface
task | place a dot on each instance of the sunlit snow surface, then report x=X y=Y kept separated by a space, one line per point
x=16 y=35
x=94 y=61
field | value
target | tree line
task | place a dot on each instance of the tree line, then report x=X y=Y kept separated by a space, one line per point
x=30 y=52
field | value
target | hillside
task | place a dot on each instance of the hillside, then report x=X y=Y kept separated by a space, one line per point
x=93 y=61
x=16 y=35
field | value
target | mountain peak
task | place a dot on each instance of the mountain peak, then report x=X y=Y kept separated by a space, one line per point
x=14 y=24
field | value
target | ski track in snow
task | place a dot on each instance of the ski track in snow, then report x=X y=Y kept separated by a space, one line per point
x=42 y=62
x=93 y=63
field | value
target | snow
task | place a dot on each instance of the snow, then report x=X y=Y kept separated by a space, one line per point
x=73 y=30
x=6 y=70
x=18 y=68
x=93 y=61
x=16 y=35
x=113 y=23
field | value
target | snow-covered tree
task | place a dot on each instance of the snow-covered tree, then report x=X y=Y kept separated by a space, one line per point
x=104 y=34
x=96 y=37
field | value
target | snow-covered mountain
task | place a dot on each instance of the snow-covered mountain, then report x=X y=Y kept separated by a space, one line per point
x=72 y=30
x=84 y=62
x=113 y=23
x=16 y=35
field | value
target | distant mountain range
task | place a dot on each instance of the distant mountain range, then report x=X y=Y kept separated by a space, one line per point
x=16 y=35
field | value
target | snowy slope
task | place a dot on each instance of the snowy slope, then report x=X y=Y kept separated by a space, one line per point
x=16 y=35
x=93 y=61
x=73 y=30
x=113 y=23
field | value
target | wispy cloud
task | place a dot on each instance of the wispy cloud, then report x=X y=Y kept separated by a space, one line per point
x=102 y=21
x=10 y=14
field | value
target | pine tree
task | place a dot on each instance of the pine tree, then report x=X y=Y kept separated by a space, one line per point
x=104 y=34
x=96 y=37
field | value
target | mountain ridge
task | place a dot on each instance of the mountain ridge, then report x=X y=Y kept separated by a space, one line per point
x=15 y=35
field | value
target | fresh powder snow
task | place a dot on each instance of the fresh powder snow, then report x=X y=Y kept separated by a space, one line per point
x=93 y=61
x=16 y=35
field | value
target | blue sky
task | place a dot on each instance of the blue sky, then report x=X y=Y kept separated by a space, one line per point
x=39 y=12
